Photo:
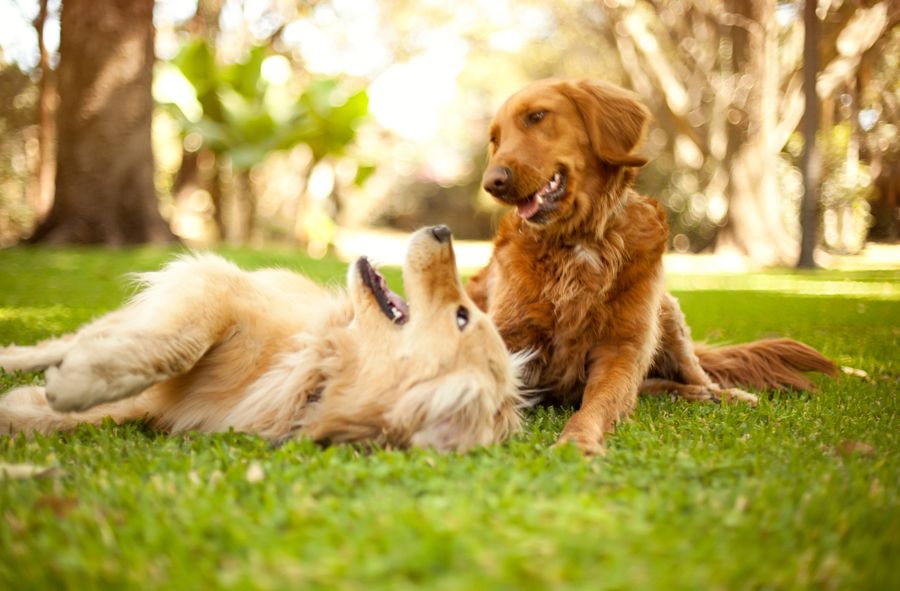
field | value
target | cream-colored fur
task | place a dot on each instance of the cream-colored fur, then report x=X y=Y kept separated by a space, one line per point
x=206 y=346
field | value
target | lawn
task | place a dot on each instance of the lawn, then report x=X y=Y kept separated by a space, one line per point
x=800 y=492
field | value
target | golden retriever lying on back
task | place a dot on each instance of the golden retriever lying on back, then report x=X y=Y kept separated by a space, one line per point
x=576 y=276
x=208 y=347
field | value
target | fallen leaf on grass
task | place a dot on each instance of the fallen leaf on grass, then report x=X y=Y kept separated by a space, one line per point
x=254 y=473
x=23 y=471
x=16 y=525
x=59 y=505
x=845 y=448
x=852 y=371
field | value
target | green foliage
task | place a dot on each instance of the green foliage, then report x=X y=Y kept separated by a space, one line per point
x=332 y=121
x=18 y=111
x=840 y=185
x=798 y=493
x=845 y=190
x=246 y=118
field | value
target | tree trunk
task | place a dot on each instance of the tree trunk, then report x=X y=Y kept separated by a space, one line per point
x=300 y=206
x=46 y=167
x=754 y=225
x=245 y=207
x=810 y=160
x=104 y=176
x=217 y=194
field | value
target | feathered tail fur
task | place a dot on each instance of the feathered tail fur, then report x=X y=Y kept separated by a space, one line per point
x=765 y=364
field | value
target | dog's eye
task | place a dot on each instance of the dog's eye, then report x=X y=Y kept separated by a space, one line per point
x=462 y=317
x=536 y=117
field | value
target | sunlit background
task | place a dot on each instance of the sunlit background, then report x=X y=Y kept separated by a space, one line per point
x=334 y=118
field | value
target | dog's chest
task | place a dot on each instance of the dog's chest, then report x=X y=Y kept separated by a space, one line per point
x=576 y=272
x=555 y=305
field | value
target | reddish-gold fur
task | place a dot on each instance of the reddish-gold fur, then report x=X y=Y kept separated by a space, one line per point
x=581 y=285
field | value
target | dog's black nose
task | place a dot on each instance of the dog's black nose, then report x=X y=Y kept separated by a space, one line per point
x=441 y=233
x=497 y=180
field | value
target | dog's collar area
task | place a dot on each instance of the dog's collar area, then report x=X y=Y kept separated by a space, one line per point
x=545 y=198
x=390 y=303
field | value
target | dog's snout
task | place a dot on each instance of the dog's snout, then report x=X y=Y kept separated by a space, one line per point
x=497 y=180
x=441 y=233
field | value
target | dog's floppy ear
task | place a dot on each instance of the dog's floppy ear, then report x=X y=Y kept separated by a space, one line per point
x=613 y=118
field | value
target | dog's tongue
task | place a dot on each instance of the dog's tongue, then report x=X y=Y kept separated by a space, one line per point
x=398 y=302
x=528 y=208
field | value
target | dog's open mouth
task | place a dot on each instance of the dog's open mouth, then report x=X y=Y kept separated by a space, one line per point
x=390 y=303
x=545 y=198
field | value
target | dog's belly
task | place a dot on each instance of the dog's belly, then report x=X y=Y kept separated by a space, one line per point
x=261 y=317
x=202 y=397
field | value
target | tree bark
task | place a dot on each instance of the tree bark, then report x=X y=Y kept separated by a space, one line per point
x=245 y=201
x=46 y=167
x=810 y=160
x=754 y=225
x=104 y=177
x=217 y=194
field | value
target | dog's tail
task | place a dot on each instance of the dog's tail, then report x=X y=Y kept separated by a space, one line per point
x=765 y=364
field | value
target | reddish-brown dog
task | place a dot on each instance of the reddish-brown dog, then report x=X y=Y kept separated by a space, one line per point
x=576 y=275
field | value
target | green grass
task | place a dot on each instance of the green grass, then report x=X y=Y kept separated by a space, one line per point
x=800 y=492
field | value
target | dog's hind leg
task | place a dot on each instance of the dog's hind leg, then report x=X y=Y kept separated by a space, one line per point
x=676 y=350
x=694 y=392
x=119 y=366
x=160 y=334
x=676 y=368
x=26 y=410
x=134 y=354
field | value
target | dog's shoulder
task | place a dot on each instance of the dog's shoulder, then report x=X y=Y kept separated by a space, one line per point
x=645 y=227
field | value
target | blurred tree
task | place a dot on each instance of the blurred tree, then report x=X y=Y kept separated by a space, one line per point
x=243 y=118
x=753 y=224
x=811 y=163
x=204 y=25
x=46 y=166
x=724 y=82
x=104 y=178
x=878 y=89
x=18 y=115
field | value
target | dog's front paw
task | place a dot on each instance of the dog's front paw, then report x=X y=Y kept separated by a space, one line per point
x=586 y=436
x=586 y=445
x=71 y=389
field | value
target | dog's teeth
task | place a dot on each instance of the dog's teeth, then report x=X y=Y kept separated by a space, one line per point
x=554 y=182
x=540 y=200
